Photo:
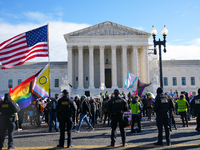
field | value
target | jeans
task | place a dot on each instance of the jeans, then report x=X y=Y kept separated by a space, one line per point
x=84 y=117
x=52 y=118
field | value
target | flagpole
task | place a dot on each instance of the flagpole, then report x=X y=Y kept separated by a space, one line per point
x=49 y=60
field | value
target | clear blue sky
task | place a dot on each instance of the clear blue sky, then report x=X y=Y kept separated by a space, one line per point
x=181 y=17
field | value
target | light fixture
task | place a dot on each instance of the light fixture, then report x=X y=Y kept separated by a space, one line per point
x=164 y=31
x=153 y=31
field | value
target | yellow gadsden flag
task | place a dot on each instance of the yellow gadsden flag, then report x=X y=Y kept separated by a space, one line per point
x=41 y=84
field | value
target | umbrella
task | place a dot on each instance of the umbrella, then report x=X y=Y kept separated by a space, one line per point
x=149 y=93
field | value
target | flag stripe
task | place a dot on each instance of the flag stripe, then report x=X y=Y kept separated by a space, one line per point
x=7 y=42
x=40 y=90
x=22 y=54
x=23 y=47
x=22 y=62
x=130 y=80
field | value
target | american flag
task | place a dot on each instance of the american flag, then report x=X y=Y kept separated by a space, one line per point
x=23 y=47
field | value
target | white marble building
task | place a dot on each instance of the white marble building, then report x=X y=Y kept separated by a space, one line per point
x=181 y=75
x=104 y=53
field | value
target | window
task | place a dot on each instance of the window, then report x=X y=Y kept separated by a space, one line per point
x=183 y=81
x=174 y=81
x=10 y=83
x=19 y=81
x=192 y=81
x=56 y=82
x=165 y=81
x=86 y=78
x=76 y=78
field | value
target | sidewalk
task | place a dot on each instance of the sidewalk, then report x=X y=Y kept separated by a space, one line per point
x=144 y=122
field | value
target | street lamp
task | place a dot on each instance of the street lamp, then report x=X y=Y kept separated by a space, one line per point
x=159 y=43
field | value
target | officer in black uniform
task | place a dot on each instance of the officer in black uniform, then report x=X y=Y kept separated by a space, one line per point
x=161 y=107
x=195 y=106
x=116 y=107
x=65 y=107
x=7 y=108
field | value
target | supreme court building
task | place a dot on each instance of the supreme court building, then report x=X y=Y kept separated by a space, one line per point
x=105 y=53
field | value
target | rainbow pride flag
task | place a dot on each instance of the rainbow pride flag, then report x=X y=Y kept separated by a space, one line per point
x=140 y=87
x=23 y=94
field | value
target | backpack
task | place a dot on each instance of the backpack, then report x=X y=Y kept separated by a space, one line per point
x=150 y=103
x=41 y=107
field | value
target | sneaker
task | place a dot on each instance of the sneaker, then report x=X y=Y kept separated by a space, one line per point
x=19 y=130
x=91 y=129
x=12 y=147
x=70 y=146
x=124 y=144
x=76 y=131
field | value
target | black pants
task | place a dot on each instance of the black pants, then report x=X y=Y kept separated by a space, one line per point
x=65 y=119
x=7 y=123
x=115 y=120
x=144 y=110
x=198 y=121
x=107 y=115
x=138 y=122
x=163 y=120
x=184 y=116
x=171 y=119
x=93 y=119
x=21 y=117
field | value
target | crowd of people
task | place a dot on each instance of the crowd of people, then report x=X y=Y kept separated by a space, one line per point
x=96 y=110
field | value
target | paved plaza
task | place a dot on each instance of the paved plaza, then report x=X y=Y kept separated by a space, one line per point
x=39 y=138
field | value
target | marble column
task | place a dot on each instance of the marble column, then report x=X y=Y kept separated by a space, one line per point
x=102 y=65
x=91 y=67
x=114 y=66
x=146 y=64
x=80 y=67
x=135 y=61
x=124 y=63
x=70 y=71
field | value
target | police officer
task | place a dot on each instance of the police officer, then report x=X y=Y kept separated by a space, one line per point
x=65 y=107
x=116 y=107
x=161 y=106
x=7 y=108
x=195 y=106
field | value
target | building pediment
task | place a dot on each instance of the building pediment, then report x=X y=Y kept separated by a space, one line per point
x=107 y=29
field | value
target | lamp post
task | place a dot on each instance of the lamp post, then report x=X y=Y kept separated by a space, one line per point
x=159 y=43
